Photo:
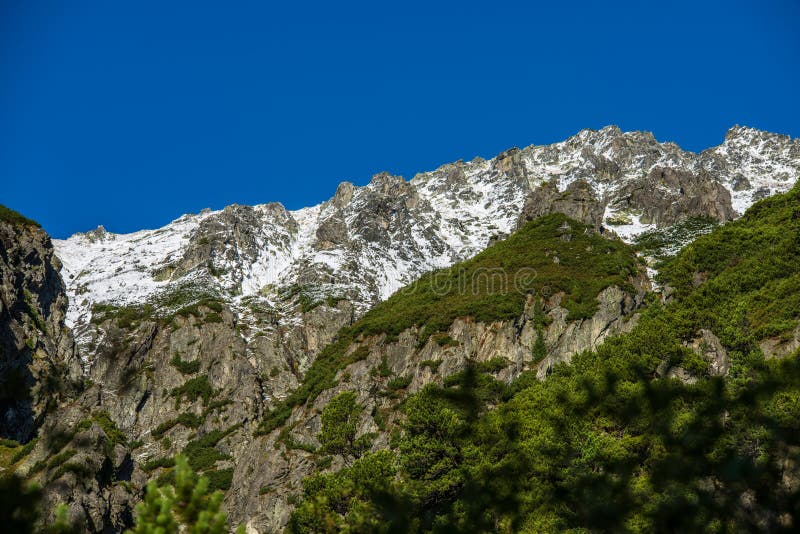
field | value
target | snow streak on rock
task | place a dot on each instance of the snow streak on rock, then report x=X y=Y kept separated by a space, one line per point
x=367 y=242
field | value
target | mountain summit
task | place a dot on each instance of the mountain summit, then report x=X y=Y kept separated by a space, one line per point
x=438 y=337
x=366 y=242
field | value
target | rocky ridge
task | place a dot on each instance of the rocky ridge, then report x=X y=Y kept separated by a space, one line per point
x=366 y=242
x=189 y=334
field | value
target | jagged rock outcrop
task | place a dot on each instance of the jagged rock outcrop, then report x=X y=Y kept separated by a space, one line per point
x=43 y=400
x=37 y=359
x=709 y=346
x=367 y=242
x=264 y=484
x=194 y=330
x=781 y=346
x=578 y=201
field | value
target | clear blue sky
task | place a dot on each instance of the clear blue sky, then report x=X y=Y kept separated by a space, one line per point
x=128 y=114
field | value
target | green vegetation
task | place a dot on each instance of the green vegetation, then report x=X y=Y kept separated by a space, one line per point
x=443 y=340
x=188 y=420
x=319 y=377
x=540 y=320
x=291 y=443
x=433 y=365
x=190 y=505
x=156 y=463
x=24 y=451
x=310 y=296
x=207 y=309
x=609 y=443
x=663 y=243
x=201 y=452
x=10 y=216
x=112 y=432
x=185 y=367
x=125 y=316
x=219 y=479
x=492 y=286
x=183 y=301
x=744 y=278
x=33 y=311
x=60 y=458
x=383 y=370
x=339 y=424
x=195 y=388
x=348 y=491
x=399 y=382
x=187 y=298
x=495 y=365
x=79 y=469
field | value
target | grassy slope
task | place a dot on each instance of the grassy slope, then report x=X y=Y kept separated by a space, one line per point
x=10 y=216
x=484 y=287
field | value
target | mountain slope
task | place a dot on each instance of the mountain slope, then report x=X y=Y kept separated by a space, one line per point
x=225 y=336
x=682 y=424
x=366 y=242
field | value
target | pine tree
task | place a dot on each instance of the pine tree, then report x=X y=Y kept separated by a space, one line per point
x=340 y=424
x=188 y=506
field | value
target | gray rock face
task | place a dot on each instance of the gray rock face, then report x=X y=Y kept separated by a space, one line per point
x=42 y=402
x=34 y=344
x=275 y=286
x=578 y=201
x=709 y=346
x=781 y=347
x=264 y=484
x=367 y=242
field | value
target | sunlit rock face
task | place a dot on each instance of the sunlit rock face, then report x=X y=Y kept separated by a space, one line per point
x=366 y=242
x=200 y=327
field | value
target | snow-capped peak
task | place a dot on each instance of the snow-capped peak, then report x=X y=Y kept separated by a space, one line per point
x=369 y=241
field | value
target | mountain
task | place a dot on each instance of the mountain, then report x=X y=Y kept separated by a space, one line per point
x=687 y=422
x=366 y=242
x=269 y=346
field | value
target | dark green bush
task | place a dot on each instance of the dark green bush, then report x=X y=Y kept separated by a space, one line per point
x=196 y=388
x=184 y=366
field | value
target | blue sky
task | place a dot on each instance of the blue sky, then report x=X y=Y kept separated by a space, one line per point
x=128 y=114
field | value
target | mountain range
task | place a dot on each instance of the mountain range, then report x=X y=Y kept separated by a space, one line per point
x=226 y=336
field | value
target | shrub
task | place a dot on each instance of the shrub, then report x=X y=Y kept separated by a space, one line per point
x=399 y=382
x=112 y=432
x=196 y=388
x=433 y=365
x=190 y=504
x=201 y=453
x=219 y=479
x=443 y=340
x=339 y=424
x=152 y=465
x=185 y=367
x=24 y=451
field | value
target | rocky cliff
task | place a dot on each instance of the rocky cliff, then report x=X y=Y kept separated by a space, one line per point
x=190 y=336
x=367 y=242
x=36 y=350
x=55 y=432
